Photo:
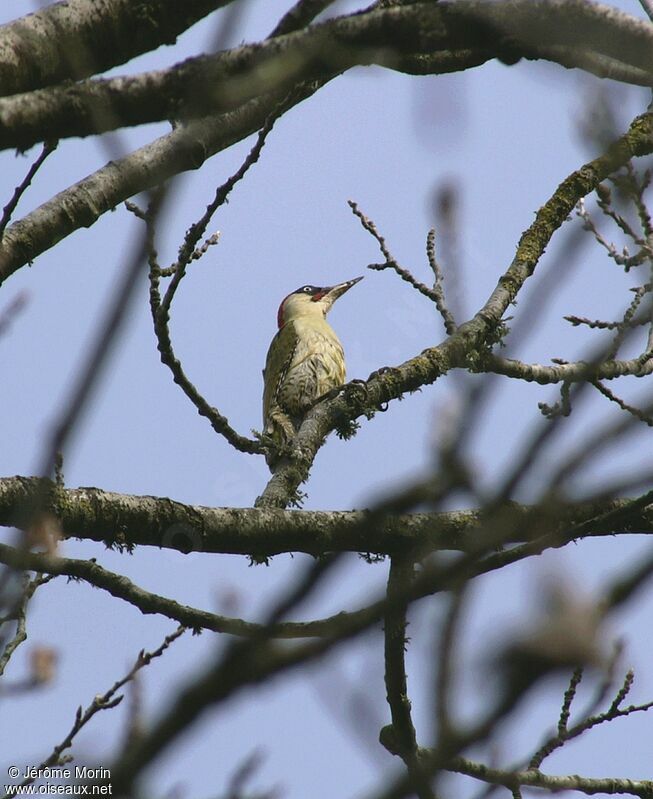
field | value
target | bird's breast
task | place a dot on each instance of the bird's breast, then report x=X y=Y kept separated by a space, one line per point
x=317 y=366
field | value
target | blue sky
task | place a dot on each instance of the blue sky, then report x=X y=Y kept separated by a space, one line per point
x=506 y=136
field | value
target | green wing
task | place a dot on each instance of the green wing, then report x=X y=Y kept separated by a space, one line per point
x=279 y=358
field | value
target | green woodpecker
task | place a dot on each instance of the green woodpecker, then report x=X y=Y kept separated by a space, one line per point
x=305 y=360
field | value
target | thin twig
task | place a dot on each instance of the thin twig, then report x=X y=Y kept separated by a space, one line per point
x=390 y=262
x=623 y=258
x=48 y=148
x=100 y=702
x=160 y=307
x=19 y=615
x=446 y=669
x=241 y=664
x=636 y=412
x=568 y=734
x=300 y=15
x=598 y=324
x=148 y=603
x=187 y=251
x=550 y=783
x=438 y=285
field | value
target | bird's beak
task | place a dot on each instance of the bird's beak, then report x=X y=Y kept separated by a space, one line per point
x=332 y=293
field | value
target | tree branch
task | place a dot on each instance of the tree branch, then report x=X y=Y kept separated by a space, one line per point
x=106 y=701
x=459 y=349
x=301 y=14
x=10 y=207
x=82 y=204
x=535 y=779
x=566 y=733
x=123 y=520
x=577 y=34
x=76 y=39
x=19 y=616
x=160 y=307
x=399 y=737
x=579 y=371
x=148 y=603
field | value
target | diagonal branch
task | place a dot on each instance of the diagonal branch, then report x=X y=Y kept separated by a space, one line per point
x=517 y=681
x=147 y=602
x=469 y=338
x=566 y=733
x=75 y=39
x=19 y=616
x=8 y=210
x=575 y=34
x=81 y=205
x=301 y=14
x=390 y=261
x=160 y=306
x=106 y=701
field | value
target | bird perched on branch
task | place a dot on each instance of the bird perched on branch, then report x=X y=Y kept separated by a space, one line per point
x=305 y=360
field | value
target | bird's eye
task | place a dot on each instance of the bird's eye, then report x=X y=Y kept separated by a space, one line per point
x=307 y=289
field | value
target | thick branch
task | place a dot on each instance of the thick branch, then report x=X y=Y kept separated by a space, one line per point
x=254 y=661
x=76 y=39
x=127 y=520
x=82 y=204
x=572 y=32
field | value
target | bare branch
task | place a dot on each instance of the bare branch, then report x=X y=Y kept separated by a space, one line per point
x=96 y=357
x=519 y=678
x=19 y=615
x=80 y=205
x=300 y=15
x=469 y=338
x=73 y=40
x=535 y=779
x=647 y=5
x=105 y=701
x=399 y=737
x=446 y=660
x=148 y=603
x=9 y=209
x=605 y=42
x=566 y=733
x=636 y=412
x=570 y=693
x=95 y=515
x=575 y=372
x=160 y=307
x=390 y=262
x=244 y=663
x=438 y=285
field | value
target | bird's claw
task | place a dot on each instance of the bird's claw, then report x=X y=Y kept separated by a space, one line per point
x=355 y=390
